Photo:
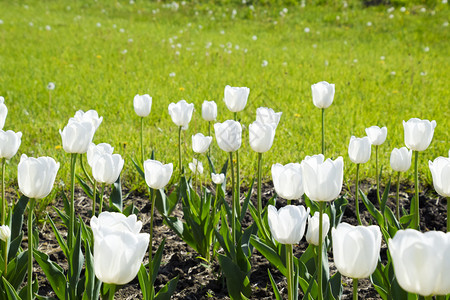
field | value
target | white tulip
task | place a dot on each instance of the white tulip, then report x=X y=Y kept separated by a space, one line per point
x=312 y=234
x=440 y=170
x=323 y=94
x=77 y=136
x=200 y=143
x=95 y=151
x=90 y=115
x=359 y=149
x=288 y=180
x=268 y=116
x=5 y=233
x=107 y=168
x=157 y=175
x=228 y=135
x=209 y=110
x=3 y=112
x=261 y=136
x=142 y=105
x=9 y=143
x=287 y=225
x=376 y=135
x=181 y=113
x=236 y=98
x=196 y=166
x=418 y=133
x=218 y=178
x=401 y=159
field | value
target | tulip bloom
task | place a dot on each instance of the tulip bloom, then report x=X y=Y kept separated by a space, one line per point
x=196 y=167
x=268 y=116
x=218 y=178
x=142 y=105
x=9 y=143
x=3 y=112
x=288 y=180
x=5 y=233
x=359 y=149
x=261 y=136
x=401 y=159
x=323 y=94
x=157 y=175
x=312 y=234
x=228 y=135
x=36 y=176
x=200 y=143
x=421 y=261
x=236 y=98
x=90 y=116
x=107 y=168
x=376 y=135
x=77 y=136
x=418 y=133
x=181 y=113
x=95 y=151
x=119 y=247
x=209 y=111
x=356 y=249
x=440 y=170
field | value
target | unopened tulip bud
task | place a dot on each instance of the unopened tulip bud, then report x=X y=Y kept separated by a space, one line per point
x=418 y=133
x=142 y=105
x=323 y=94
x=236 y=98
x=209 y=111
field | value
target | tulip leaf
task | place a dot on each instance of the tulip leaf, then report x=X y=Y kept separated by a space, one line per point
x=405 y=220
x=138 y=168
x=166 y=292
x=336 y=211
x=58 y=236
x=76 y=262
x=379 y=283
x=115 y=200
x=246 y=246
x=17 y=219
x=372 y=210
x=17 y=269
x=306 y=281
x=385 y=196
x=14 y=246
x=10 y=291
x=156 y=262
x=270 y=254
x=246 y=201
x=274 y=287
x=313 y=206
x=144 y=282
x=391 y=219
x=53 y=272
x=334 y=286
x=85 y=187
x=237 y=281
x=92 y=284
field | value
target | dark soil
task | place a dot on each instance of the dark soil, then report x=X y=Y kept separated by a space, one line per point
x=198 y=280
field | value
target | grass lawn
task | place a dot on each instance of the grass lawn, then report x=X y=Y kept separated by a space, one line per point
x=388 y=66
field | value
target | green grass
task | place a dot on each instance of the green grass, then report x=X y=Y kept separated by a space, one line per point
x=90 y=71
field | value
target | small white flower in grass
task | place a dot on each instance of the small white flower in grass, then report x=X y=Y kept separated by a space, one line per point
x=254 y=37
x=393 y=73
x=31 y=24
x=264 y=63
x=172 y=74
x=1 y=22
x=423 y=9
x=99 y=24
x=48 y=28
x=50 y=86
x=390 y=9
x=307 y=29
x=423 y=73
x=402 y=9
x=426 y=49
x=382 y=58
x=369 y=24
x=218 y=178
x=391 y=16
x=445 y=24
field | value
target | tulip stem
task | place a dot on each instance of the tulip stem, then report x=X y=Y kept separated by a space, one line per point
x=323 y=131
x=238 y=177
x=398 y=197
x=142 y=140
x=209 y=134
x=150 y=252
x=84 y=170
x=179 y=151
x=448 y=214
x=100 y=209
x=112 y=291
x=93 y=199
x=290 y=271
x=355 y=288
x=73 y=162
x=259 y=186
x=319 y=255
x=357 y=195
x=3 y=191
x=30 y=249
x=233 y=202
x=377 y=175
x=416 y=219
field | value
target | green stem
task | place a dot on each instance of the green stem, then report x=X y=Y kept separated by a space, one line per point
x=259 y=186
x=238 y=177
x=30 y=249
x=180 y=166
x=3 y=192
x=319 y=254
x=142 y=140
x=209 y=134
x=428 y=297
x=357 y=195
x=377 y=175
x=94 y=197
x=100 y=209
x=290 y=271
x=84 y=170
x=355 y=288
x=416 y=219
x=448 y=214
x=233 y=202
x=73 y=163
x=323 y=131
x=397 y=200
x=112 y=291
x=150 y=252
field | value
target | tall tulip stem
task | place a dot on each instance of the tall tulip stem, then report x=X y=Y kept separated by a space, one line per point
x=238 y=176
x=290 y=271
x=355 y=288
x=209 y=134
x=142 y=139
x=4 y=204
x=323 y=131
x=397 y=200
x=73 y=162
x=377 y=175
x=448 y=214
x=259 y=186
x=30 y=249
x=150 y=252
x=357 y=195
x=100 y=208
x=233 y=201
x=180 y=166
x=84 y=170
x=416 y=219
x=319 y=255
x=94 y=200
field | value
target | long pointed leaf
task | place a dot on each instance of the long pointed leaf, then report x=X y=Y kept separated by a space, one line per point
x=53 y=272
x=274 y=287
x=166 y=292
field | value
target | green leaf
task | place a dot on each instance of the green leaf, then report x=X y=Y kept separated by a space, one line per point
x=53 y=272
x=156 y=262
x=85 y=187
x=58 y=236
x=237 y=281
x=92 y=284
x=144 y=283
x=385 y=196
x=115 y=199
x=10 y=291
x=311 y=204
x=336 y=286
x=246 y=201
x=75 y=263
x=14 y=246
x=270 y=254
x=138 y=168
x=274 y=287
x=166 y=292
x=17 y=269
x=17 y=218
x=63 y=216
x=372 y=210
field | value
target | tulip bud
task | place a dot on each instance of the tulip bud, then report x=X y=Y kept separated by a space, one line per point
x=418 y=133
x=209 y=110
x=236 y=98
x=5 y=233
x=77 y=136
x=3 y=112
x=359 y=149
x=228 y=135
x=95 y=151
x=261 y=136
x=287 y=225
x=376 y=135
x=421 y=261
x=181 y=113
x=36 y=176
x=142 y=105
x=9 y=143
x=157 y=175
x=196 y=166
x=323 y=94
x=401 y=159
x=107 y=168
x=356 y=249
x=90 y=115
x=322 y=180
x=200 y=143
x=218 y=178
x=288 y=181
x=312 y=235
x=119 y=248
x=440 y=170
x=268 y=116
